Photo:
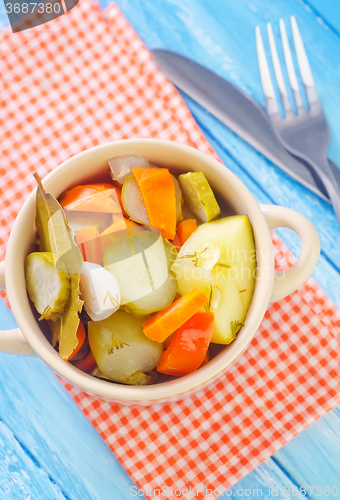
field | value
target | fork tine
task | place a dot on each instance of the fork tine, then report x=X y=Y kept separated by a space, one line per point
x=304 y=67
x=266 y=81
x=277 y=70
x=290 y=65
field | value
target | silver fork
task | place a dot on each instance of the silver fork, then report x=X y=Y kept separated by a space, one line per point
x=305 y=134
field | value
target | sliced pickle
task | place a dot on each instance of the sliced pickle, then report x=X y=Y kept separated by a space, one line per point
x=199 y=195
x=49 y=288
x=179 y=201
x=133 y=202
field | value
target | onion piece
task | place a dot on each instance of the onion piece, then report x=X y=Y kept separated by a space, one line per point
x=121 y=167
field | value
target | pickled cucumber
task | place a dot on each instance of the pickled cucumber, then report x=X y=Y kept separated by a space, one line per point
x=141 y=265
x=179 y=201
x=121 y=350
x=219 y=258
x=49 y=288
x=133 y=202
x=199 y=196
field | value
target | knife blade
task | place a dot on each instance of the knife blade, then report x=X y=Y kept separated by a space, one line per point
x=240 y=112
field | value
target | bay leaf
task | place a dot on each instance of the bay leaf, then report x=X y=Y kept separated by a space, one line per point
x=57 y=237
x=66 y=327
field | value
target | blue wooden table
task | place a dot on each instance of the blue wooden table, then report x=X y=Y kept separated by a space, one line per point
x=48 y=450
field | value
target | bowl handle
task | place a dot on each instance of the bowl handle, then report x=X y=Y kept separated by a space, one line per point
x=286 y=282
x=12 y=341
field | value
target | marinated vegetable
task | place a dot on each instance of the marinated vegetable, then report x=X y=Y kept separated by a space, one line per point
x=87 y=364
x=134 y=205
x=142 y=266
x=121 y=350
x=135 y=280
x=81 y=336
x=159 y=196
x=219 y=259
x=164 y=323
x=199 y=196
x=185 y=229
x=80 y=220
x=102 y=198
x=133 y=202
x=189 y=346
x=89 y=243
x=121 y=167
x=57 y=238
x=100 y=291
x=49 y=288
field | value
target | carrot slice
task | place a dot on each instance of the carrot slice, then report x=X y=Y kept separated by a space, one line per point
x=89 y=243
x=87 y=364
x=93 y=198
x=158 y=192
x=165 y=322
x=81 y=336
x=189 y=346
x=185 y=230
x=205 y=359
x=176 y=242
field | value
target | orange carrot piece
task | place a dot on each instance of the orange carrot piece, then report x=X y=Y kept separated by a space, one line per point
x=205 y=359
x=185 y=229
x=89 y=243
x=158 y=192
x=79 y=192
x=81 y=336
x=189 y=346
x=93 y=198
x=176 y=242
x=165 y=322
x=87 y=364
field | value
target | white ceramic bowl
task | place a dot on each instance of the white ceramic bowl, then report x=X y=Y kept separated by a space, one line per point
x=28 y=339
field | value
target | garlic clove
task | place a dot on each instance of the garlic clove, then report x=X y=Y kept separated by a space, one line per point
x=100 y=291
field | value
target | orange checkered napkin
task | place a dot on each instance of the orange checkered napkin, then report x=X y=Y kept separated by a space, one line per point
x=84 y=79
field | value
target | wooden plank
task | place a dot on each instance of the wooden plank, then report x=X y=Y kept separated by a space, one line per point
x=60 y=445
x=20 y=475
x=267 y=481
x=312 y=458
x=326 y=12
